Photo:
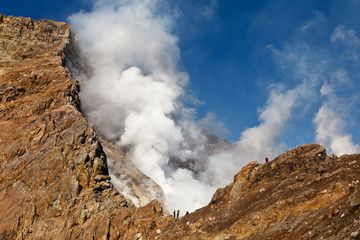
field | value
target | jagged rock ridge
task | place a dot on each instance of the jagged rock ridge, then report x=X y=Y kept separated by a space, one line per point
x=54 y=181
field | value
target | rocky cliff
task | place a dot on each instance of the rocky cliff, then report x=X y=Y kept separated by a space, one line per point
x=54 y=181
x=55 y=184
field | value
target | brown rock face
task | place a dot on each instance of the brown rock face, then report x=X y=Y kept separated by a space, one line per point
x=302 y=194
x=54 y=181
x=49 y=154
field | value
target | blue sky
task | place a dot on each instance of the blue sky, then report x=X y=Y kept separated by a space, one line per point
x=236 y=51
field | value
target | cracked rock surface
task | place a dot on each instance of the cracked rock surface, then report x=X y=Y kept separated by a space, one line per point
x=54 y=181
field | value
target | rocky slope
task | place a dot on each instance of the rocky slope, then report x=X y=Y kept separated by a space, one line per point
x=302 y=194
x=129 y=180
x=54 y=181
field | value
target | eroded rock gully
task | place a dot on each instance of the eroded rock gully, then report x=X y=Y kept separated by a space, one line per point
x=54 y=181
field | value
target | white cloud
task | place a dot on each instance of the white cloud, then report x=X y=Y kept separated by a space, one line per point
x=340 y=77
x=263 y=140
x=341 y=33
x=298 y=61
x=349 y=41
x=318 y=19
x=326 y=90
x=332 y=117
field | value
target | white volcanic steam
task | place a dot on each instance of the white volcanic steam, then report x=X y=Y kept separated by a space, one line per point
x=135 y=93
x=330 y=120
x=135 y=98
x=263 y=140
x=330 y=123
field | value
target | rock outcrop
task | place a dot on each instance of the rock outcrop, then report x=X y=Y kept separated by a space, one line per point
x=55 y=184
x=54 y=181
x=302 y=194
x=129 y=180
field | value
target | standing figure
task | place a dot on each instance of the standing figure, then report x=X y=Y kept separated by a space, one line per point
x=174 y=213
x=266 y=160
x=178 y=213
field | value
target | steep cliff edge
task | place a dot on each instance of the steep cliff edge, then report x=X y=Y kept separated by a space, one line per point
x=54 y=180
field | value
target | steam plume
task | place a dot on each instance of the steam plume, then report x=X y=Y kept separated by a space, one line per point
x=330 y=124
x=135 y=98
x=134 y=95
x=330 y=120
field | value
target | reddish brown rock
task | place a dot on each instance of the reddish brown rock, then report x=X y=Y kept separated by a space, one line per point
x=53 y=170
x=54 y=181
x=302 y=194
x=49 y=154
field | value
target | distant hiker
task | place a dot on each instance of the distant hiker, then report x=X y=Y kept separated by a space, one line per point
x=178 y=213
x=187 y=212
x=266 y=160
x=124 y=204
x=174 y=212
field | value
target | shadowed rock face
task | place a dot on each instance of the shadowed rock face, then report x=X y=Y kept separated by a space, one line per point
x=54 y=181
x=129 y=180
